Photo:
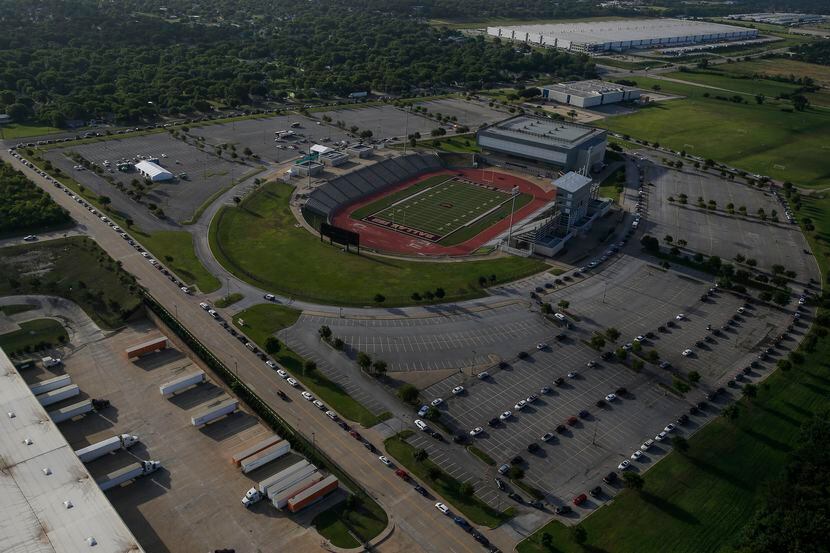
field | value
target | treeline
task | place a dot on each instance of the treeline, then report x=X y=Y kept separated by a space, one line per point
x=84 y=62
x=795 y=510
x=814 y=52
x=25 y=207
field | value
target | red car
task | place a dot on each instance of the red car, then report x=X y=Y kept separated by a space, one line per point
x=580 y=499
x=572 y=421
x=403 y=474
x=354 y=435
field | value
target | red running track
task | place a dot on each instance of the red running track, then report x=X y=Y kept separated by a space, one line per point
x=386 y=240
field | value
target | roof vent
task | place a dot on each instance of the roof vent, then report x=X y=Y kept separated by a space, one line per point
x=12 y=415
x=91 y=541
x=28 y=441
x=68 y=504
x=47 y=471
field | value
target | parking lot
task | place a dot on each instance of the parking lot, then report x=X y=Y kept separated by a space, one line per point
x=384 y=121
x=258 y=135
x=716 y=232
x=197 y=483
x=178 y=198
x=468 y=113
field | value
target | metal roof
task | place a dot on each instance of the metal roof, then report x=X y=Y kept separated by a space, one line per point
x=543 y=130
x=589 y=88
x=51 y=504
x=571 y=182
x=153 y=170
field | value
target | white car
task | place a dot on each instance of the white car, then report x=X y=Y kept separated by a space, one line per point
x=185 y=289
x=421 y=424
x=741 y=310
x=30 y=238
x=269 y=297
x=436 y=402
x=647 y=445
x=145 y=254
x=547 y=436
x=307 y=396
x=669 y=428
x=282 y=373
x=541 y=345
x=385 y=461
x=319 y=405
x=483 y=375
x=291 y=382
x=332 y=415
x=610 y=397
x=204 y=306
x=661 y=436
x=686 y=352
x=572 y=374
x=627 y=347
x=271 y=364
x=476 y=431
x=640 y=338
x=443 y=508
x=457 y=390
x=213 y=313
x=636 y=455
x=680 y=316
x=624 y=465
x=591 y=364
x=520 y=405
x=506 y=415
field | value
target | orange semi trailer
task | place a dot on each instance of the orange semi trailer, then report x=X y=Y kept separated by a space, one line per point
x=156 y=344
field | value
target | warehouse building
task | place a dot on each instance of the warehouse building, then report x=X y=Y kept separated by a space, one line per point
x=565 y=145
x=50 y=502
x=592 y=93
x=153 y=171
x=620 y=35
x=787 y=19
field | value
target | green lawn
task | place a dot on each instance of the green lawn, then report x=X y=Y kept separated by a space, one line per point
x=262 y=321
x=445 y=485
x=74 y=268
x=33 y=334
x=175 y=249
x=260 y=243
x=719 y=79
x=14 y=309
x=340 y=523
x=610 y=187
x=455 y=144
x=16 y=130
x=760 y=139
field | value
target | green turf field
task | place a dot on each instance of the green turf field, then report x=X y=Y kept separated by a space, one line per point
x=439 y=209
x=260 y=243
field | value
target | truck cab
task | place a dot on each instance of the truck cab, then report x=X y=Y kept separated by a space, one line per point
x=251 y=497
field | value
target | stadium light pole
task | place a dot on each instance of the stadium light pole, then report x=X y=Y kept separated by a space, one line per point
x=512 y=209
x=406 y=129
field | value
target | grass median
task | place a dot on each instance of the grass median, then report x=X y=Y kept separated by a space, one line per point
x=261 y=243
x=445 y=485
x=264 y=320
x=176 y=250
x=351 y=522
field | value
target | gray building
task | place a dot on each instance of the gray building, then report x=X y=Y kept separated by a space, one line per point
x=573 y=196
x=547 y=141
x=591 y=93
x=597 y=37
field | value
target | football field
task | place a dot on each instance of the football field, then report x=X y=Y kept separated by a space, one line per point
x=441 y=206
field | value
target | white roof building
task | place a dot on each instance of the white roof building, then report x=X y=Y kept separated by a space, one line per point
x=320 y=149
x=153 y=171
x=50 y=503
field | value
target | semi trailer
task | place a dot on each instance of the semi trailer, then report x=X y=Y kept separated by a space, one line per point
x=182 y=383
x=127 y=474
x=214 y=411
x=256 y=448
x=105 y=447
x=313 y=494
x=51 y=384
x=150 y=346
x=59 y=394
x=265 y=456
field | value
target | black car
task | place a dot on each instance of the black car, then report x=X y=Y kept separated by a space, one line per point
x=684 y=418
x=610 y=478
x=699 y=344
x=459 y=438
x=561 y=336
x=282 y=395
x=515 y=497
x=532 y=448
x=661 y=328
x=693 y=410
x=537 y=503
x=607 y=355
x=503 y=365
x=493 y=422
x=563 y=510
x=584 y=414
x=369 y=446
x=595 y=492
x=421 y=490
x=500 y=484
x=437 y=436
x=747 y=370
x=560 y=429
x=600 y=403
x=479 y=537
x=559 y=381
x=701 y=405
x=517 y=460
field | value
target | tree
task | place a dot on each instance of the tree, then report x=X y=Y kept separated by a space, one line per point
x=128 y=222
x=309 y=366
x=612 y=333
x=668 y=239
x=466 y=490
x=237 y=200
x=680 y=444
x=759 y=99
x=420 y=455
x=440 y=293
x=547 y=540
x=380 y=298
x=364 y=361
x=408 y=393
x=800 y=102
x=731 y=412
x=379 y=367
x=633 y=481
x=546 y=308
x=563 y=304
x=579 y=534
x=415 y=296
x=272 y=345
x=433 y=473
x=516 y=473
x=751 y=391
x=621 y=354
x=597 y=341
x=104 y=200
x=650 y=244
x=324 y=332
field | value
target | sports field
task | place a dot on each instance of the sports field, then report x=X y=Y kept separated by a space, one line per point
x=446 y=209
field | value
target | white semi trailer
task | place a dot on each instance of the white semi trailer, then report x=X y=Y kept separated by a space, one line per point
x=128 y=473
x=105 y=447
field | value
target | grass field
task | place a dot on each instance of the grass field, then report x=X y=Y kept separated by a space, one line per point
x=176 y=250
x=786 y=68
x=449 y=209
x=74 y=268
x=760 y=139
x=14 y=309
x=718 y=79
x=445 y=485
x=264 y=320
x=16 y=130
x=260 y=243
x=228 y=300
x=700 y=501
x=340 y=524
x=33 y=334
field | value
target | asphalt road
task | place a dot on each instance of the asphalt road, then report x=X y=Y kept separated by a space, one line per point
x=411 y=513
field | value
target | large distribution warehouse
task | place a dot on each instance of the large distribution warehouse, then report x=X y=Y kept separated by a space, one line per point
x=619 y=35
x=558 y=143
